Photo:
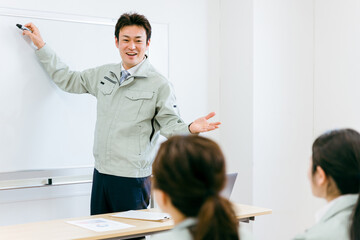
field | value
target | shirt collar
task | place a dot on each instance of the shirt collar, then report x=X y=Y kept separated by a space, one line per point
x=134 y=68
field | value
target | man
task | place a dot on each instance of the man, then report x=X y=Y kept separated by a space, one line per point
x=134 y=105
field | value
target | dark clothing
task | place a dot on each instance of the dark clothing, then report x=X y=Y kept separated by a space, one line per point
x=116 y=194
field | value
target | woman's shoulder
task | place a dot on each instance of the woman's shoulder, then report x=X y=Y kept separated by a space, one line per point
x=180 y=231
x=184 y=234
x=181 y=234
x=335 y=222
x=336 y=227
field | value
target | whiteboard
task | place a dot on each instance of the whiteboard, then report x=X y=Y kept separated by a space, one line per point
x=41 y=126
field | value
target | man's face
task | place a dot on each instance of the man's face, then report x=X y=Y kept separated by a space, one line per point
x=132 y=45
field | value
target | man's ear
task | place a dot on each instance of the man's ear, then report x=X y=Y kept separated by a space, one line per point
x=116 y=42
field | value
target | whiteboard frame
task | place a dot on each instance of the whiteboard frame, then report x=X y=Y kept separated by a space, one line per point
x=12 y=12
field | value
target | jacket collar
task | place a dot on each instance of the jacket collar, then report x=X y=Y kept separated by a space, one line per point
x=345 y=202
x=114 y=72
x=142 y=71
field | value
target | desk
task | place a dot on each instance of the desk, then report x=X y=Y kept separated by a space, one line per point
x=60 y=229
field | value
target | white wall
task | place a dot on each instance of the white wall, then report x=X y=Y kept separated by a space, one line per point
x=236 y=93
x=266 y=101
x=337 y=72
x=283 y=115
x=190 y=41
x=304 y=56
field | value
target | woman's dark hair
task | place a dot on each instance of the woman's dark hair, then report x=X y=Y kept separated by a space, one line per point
x=191 y=170
x=338 y=153
x=130 y=19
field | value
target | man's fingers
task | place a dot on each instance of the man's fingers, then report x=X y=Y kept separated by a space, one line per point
x=31 y=35
x=210 y=115
x=30 y=26
x=215 y=123
x=33 y=28
x=210 y=129
x=27 y=33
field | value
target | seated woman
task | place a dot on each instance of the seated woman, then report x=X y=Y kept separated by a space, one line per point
x=335 y=176
x=188 y=175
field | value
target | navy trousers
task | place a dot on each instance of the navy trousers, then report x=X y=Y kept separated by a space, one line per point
x=116 y=194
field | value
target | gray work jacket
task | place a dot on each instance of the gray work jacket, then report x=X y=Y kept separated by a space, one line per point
x=335 y=223
x=130 y=116
x=182 y=232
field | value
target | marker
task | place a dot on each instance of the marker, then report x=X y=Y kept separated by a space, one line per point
x=23 y=28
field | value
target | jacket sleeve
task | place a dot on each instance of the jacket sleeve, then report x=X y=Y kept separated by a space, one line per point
x=167 y=113
x=64 y=78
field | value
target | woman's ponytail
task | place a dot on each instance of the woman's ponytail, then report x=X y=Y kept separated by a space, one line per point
x=216 y=220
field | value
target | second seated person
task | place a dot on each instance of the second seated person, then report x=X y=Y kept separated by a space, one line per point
x=189 y=174
x=334 y=174
x=135 y=104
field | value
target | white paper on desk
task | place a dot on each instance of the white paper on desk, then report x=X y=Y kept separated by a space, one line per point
x=153 y=216
x=100 y=224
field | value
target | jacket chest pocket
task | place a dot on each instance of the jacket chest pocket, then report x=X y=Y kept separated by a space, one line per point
x=104 y=97
x=137 y=104
x=106 y=87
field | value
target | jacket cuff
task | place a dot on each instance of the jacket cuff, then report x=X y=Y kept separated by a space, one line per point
x=44 y=51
